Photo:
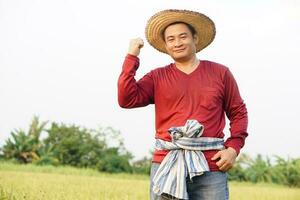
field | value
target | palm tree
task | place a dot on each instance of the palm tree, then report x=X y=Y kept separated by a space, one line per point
x=22 y=146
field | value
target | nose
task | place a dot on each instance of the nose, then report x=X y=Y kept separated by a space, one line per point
x=178 y=43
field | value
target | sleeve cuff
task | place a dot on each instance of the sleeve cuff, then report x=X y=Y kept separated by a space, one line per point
x=236 y=147
x=132 y=57
x=131 y=64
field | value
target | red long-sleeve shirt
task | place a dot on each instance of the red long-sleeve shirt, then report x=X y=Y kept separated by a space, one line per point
x=206 y=94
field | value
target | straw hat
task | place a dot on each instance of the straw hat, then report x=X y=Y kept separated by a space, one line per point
x=203 y=25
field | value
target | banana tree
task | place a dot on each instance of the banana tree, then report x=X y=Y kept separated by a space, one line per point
x=24 y=146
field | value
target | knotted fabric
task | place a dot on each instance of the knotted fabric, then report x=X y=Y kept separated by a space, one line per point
x=184 y=159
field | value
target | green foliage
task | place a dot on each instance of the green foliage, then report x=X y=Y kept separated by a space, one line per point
x=142 y=166
x=69 y=145
x=286 y=172
x=259 y=170
x=237 y=173
x=112 y=161
x=73 y=145
x=24 y=146
x=103 y=149
x=80 y=147
x=47 y=156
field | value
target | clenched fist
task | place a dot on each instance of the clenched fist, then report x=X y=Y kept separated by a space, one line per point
x=135 y=46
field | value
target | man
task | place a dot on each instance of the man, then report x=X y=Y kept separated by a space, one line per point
x=191 y=98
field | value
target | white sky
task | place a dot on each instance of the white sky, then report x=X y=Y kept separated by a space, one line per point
x=60 y=59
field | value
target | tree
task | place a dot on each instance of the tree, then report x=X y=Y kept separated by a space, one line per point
x=73 y=145
x=259 y=170
x=287 y=171
x=113 y=161
x=24 y=146
x=142 y=166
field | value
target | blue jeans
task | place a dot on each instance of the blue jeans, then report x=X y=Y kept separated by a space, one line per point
x=209 y=186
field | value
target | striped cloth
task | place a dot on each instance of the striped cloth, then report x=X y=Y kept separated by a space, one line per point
x=185 y=158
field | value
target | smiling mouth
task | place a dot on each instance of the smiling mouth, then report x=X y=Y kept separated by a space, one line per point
x=179 y=50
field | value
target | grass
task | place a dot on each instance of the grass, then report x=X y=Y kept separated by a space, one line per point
x=32 y=182
x=262 y=191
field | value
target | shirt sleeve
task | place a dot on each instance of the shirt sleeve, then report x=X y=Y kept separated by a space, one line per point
x=132 y=93
x=236 y=112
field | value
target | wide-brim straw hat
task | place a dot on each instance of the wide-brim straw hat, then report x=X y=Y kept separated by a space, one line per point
x=203 y=25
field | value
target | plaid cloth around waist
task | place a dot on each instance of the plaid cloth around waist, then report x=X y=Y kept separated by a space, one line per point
x=184 y=159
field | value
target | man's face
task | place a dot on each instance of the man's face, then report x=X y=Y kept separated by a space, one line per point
x=179 y=42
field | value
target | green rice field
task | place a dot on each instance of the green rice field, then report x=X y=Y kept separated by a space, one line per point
x=67 y=183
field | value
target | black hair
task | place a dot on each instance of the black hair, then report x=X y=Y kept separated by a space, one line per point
x=190 y=27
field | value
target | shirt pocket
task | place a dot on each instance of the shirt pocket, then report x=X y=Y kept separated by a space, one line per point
x=208 y=98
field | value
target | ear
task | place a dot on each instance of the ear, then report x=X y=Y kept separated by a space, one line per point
x=196 y=38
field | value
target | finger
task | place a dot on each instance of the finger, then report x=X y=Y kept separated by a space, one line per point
x=140 y=39
x=137 y=41
x=221 y=162
x=141 y=45
x=141 y=42
x=222 y=168
x=225 y=167
x=216 y=156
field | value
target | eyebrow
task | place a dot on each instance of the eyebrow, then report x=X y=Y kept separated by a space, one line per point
x=172 y=36
x=182 y=34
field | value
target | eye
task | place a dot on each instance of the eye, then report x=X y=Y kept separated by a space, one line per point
x=183 y=37
x=170 y=39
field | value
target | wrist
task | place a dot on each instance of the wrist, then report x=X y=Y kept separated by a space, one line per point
x=133 y=52
x=232 y=150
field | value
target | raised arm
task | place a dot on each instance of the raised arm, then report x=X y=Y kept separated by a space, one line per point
x=132 y=93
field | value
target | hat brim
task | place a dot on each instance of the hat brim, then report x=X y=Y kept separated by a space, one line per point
x=203 y=25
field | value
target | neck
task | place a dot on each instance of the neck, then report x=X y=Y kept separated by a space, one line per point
x=187 y=65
